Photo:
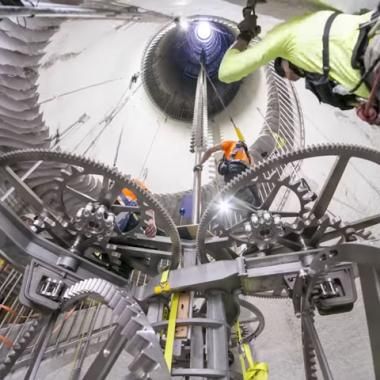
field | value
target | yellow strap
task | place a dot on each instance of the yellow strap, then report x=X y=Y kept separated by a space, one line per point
x=170 y=333
x=164 y=283
x=280 y=141
x=255 y=371
x=258 y=372
x=239 y=134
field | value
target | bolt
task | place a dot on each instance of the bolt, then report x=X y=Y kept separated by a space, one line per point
x=106 y=352
x=109 y=222
x=303 y=273
x=298 y=314
x=254 y=219
x=247 y=227
x=267 y=216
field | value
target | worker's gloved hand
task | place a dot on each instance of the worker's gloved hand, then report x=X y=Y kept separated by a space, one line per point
x=150 y=229
x=368 y=114
x=248 y=27
x=197 y=168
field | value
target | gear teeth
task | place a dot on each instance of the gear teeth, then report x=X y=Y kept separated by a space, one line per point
x=142 y=342
x=307 y=196
x=22 y=343
x=309 y=355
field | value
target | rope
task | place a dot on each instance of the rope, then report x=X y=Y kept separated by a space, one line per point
x=250 y=369
x=238 y=132
x=150 y=149
x=108 y=119
x=80 y=89
x=60 y=136
x=118 y=146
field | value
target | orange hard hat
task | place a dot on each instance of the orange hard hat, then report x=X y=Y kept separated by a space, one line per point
x=131 y=195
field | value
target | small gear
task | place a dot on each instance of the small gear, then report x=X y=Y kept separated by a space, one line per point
x=244 y=223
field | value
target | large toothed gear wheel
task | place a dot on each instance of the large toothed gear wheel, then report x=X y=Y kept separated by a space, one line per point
x=230 y=226
x=71 y=200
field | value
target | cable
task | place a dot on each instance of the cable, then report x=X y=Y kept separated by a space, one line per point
x=108 y=118
x=150 y=148
x=237 y=129
x=80 y=89
x=118 y=146
x=69 y=129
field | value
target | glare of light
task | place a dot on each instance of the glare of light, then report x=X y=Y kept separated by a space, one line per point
x=184 y=24
x=203 y=30
x=224 y=206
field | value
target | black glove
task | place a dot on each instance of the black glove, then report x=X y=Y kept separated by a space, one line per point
x=248 y=27
x=197 y=168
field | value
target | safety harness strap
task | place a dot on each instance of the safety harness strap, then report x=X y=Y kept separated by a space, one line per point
x=170 y=332
x=326 y=44
x=164 y=285
x=324 y=88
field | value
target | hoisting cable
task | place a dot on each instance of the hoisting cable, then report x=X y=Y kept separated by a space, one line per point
x=62 y=135
x=238 y=132
x=107 y=120
x=251 y=370
x=155 y=136
x=79 y=90
x=118 y=146
x=150 y=149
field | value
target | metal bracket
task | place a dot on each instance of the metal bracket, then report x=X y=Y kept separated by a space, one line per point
x=43 y=286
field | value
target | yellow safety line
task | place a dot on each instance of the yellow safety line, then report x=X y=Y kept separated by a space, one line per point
x=170 y=333
x=252 y=370
x=239 y=134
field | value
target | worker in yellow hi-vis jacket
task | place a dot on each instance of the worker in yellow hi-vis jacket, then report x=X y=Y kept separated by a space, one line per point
x=337 y=54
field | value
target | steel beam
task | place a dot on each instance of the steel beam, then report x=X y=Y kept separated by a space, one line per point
x=200 y=122
x=132 y=13
x=370 y=281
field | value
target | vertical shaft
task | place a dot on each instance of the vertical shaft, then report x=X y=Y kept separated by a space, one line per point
x=200 y=123
x=217 y=339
